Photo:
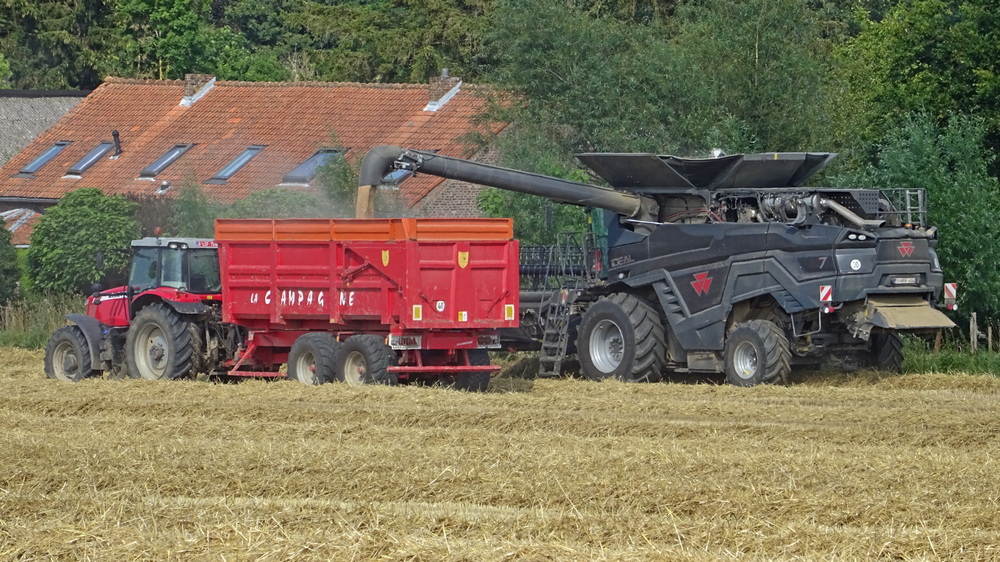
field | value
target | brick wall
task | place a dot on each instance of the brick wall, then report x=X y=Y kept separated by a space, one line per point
x=453 y=198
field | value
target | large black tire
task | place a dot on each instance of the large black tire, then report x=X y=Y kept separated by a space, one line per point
x=365 y=359
x=475 y=381
x=311 y=360
x=159 y=344
x=885 y=352
x=67 y=356
x=757 y=352
x=622 y=336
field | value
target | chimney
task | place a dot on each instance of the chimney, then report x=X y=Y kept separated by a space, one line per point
x=442 y=89
x=196 y=86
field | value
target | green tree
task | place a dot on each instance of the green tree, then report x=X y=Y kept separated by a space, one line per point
x=394 y=40
x=9 y=272
x=756 y=66
x=168 y=38
x=933 y=56
x=55 y=44
x=67 y=238
x=5 y=73
x=948 y=161
x=192 y=213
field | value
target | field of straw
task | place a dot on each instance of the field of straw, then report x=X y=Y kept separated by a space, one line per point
x=831 y=467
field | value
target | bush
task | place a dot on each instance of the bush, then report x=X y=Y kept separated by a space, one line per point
x=68 y=237
x=9 y=272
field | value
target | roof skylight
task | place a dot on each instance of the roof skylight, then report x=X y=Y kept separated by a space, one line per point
x=162 y=162
x=43 y=159
x=224 y=174
x=306 y=171
x=91 y=158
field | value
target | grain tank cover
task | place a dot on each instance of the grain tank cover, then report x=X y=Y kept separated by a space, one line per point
x=651 y=173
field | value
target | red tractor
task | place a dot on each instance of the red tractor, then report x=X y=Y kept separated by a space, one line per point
x=151 y=327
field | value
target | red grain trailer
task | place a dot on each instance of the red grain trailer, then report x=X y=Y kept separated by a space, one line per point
x=370 y=300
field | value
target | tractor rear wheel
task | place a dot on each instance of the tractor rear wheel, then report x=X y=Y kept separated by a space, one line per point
x=311 y=360
x=365 y=359
x=886 y=352
x=67 y=356
x=159 y=344
x=475 y=381
x=757 y=352
x=622 y=336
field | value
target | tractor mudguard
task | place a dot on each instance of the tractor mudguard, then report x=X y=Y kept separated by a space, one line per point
x=189 y=308
x=93 y=331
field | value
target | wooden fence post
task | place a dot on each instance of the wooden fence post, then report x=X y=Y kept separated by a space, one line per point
x=973 y=329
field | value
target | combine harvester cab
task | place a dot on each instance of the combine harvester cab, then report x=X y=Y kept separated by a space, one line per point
x=722 y=265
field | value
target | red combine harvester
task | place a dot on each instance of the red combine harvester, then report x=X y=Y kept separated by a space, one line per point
x=374 y=301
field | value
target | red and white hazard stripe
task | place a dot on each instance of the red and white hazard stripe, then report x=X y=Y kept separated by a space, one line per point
x=951 y=290
x=826 y=293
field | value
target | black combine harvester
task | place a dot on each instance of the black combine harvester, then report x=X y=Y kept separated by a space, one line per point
x=720 y=265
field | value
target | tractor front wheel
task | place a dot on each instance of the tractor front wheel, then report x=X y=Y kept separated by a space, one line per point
x=67 y=356
x=159 y=344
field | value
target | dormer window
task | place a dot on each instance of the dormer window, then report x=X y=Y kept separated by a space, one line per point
x=162 y=162
x=90 y=159
x=306 y=171
x=43 y=159
x=224 y=174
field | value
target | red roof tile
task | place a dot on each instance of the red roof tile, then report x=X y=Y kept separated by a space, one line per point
x=291 y=119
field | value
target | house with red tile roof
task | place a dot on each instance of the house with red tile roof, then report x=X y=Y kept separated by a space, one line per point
x=236 y=138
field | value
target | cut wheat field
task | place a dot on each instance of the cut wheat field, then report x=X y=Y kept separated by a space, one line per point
x=831 y=467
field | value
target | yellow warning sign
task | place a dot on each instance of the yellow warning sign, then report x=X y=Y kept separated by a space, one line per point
x=385 y=258
x=463 y=259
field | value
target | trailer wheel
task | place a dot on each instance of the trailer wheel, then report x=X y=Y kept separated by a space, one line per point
x=622 y=336
x=475 y=381
x=365 y=359
x=757 y=352
x=311 y=360
x=67 y=356
x=158 y=345
x=886 y=352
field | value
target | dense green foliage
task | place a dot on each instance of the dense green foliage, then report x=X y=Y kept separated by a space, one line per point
x=933 y=56
x=66 y=241
x=907 y=91
x=948 y=161
x=9 y=272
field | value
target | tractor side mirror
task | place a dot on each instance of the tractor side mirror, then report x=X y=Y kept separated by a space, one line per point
x=99 y=260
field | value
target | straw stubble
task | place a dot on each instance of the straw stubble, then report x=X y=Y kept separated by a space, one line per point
x=844 y=467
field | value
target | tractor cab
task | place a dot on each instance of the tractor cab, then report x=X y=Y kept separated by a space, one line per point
x=179 y=270
x=184 y=264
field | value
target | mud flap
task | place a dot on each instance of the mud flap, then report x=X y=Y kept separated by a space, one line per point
x=898 y=313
